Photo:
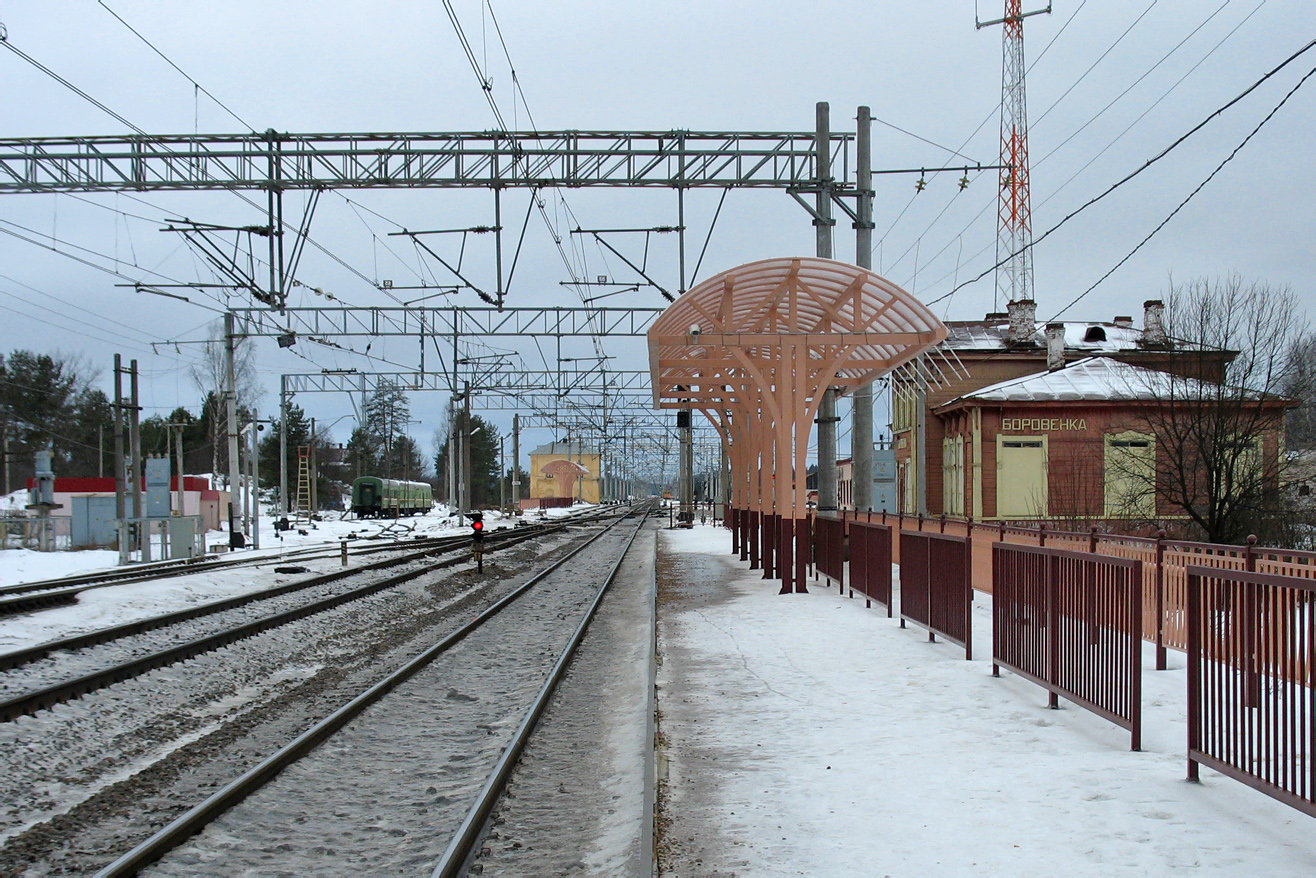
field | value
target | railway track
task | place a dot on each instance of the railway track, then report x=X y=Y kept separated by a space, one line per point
x=28 y=596
x=36 y=681
x=361 y=778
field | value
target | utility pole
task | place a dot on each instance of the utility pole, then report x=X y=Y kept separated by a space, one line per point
x=861 y=432
x=516 y=461
x=502 y=475
x=283 y=445
x=135 y=444
x=466 y=447
x=253 y=467
x=823 y=224
x=120 y=483
x=315 y=475
x=235 y=538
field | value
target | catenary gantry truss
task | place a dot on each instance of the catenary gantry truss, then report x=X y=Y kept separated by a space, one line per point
x=754 y=348
x=475 y=160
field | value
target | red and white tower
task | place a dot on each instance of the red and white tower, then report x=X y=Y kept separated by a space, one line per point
x=1014 y=228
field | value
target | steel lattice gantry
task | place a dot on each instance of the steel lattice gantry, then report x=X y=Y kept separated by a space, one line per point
x=445 y=322
x=480 y=160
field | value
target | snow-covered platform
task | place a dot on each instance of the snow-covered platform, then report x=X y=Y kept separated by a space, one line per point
x=806 y=735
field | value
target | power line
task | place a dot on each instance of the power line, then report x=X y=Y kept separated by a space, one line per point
x=180 y=70
x=1151 y=161
x=64 y=82
x=1199 y=188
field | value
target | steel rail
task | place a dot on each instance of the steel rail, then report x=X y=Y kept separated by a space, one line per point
x=60 y=693
x=184 y=567
x=74 y=585
x=34 y=599
x=18 y=658
x=456 y=859
x=195 y=819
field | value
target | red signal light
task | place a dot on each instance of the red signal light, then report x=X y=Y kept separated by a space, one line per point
x=477 y=525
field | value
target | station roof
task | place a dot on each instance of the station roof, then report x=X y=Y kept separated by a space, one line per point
x=731 y=333
x=563 y=448
x=1082 y=336
x=1092 y=379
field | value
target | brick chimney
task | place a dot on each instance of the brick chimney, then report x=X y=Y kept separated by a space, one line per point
x=1023 y=320
x=1055 y=346
x=1153 y=324
x=1124 y=322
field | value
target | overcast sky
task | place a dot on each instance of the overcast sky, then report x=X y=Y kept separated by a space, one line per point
x=1112 y=83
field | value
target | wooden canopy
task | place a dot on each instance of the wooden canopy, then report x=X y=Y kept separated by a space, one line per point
x=755 y=347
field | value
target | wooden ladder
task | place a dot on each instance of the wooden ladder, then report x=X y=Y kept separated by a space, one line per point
x=303 y=505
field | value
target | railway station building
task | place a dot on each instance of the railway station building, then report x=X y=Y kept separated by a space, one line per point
x=562 y=473
x=1043 y=425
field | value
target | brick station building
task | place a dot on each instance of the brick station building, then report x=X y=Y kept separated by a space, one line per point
x=1041 y=425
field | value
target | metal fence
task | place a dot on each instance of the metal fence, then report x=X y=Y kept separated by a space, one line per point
x=829 y=548
x=49 y=534
x=1251 y=686
x=1165 y=563
x=1071 y=622
x=936 y=591
x=870 y=563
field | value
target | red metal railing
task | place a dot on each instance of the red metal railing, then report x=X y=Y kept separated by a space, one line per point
x=935 y=587
x=1251 y=684
x=870 y=563
x=829 y=548
x=1072 y=623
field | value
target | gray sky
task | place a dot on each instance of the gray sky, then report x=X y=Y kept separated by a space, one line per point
x=1119 y=81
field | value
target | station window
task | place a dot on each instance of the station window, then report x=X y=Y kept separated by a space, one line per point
x=1130 y=483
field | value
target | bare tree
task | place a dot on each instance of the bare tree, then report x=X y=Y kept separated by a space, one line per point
x=209 y=377
x=1217 y=421
x=1300 y=384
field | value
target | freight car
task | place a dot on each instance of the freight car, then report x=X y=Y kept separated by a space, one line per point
x=389 y=498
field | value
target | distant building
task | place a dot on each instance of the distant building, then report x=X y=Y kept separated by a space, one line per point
x=198 y=497
x=564 y=471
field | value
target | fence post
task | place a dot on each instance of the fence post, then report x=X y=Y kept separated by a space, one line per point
x=1194 y=671
x=1092 y=540
x=1251 y=612
x=1250 y=556
x=1161 y=663
x=1041 y=535
x=1135 y=658
x=1052 y=625
x=943 y=522
x=968 y=597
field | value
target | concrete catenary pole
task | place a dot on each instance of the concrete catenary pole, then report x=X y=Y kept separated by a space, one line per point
x=823 y=224
x=861 y=431
x=283 y=446
x=235 y=538
x=516 y=462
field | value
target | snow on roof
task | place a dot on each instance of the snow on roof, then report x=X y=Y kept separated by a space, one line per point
x=1096 y=337
x=563 y=448
x=1089 y=379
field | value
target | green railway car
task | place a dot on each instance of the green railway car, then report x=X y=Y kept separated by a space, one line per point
x=390 y=498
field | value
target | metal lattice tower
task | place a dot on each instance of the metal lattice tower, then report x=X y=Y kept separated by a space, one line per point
x=1014 y=227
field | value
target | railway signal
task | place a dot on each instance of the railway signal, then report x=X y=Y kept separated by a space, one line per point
x=477 y=539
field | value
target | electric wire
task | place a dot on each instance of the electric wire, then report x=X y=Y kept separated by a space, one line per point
x=70 y=86
x=1101 y=152
x=180 y=70
x=1199 y=188
x=1147 y=164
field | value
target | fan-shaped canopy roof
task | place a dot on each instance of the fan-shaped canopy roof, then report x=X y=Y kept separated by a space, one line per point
x=721 y=341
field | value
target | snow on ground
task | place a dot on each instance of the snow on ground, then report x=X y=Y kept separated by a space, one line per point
x=810 y=736
x=113 y=605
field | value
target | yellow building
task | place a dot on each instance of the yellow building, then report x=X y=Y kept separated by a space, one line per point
x=562 y=471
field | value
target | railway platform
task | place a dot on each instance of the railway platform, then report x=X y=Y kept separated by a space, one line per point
x=803 y=734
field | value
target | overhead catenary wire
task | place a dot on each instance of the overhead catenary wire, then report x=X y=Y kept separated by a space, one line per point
x=198 y=86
